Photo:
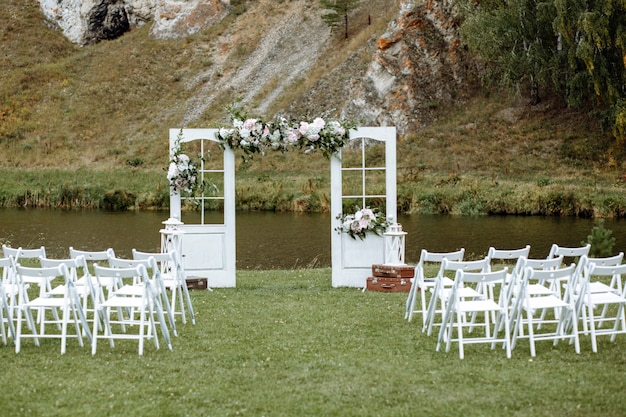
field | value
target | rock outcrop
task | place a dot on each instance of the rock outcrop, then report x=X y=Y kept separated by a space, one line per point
x=90 y=21
x=417 y=67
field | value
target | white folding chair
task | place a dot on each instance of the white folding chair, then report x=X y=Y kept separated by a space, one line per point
x=9 y=282
x=27 y=257
x=505 y=256
x=145 y=305
x=92 y=257
x=441 y=290
x=80 y=276
x=533 y=288
x=156 y=281
x=525 y=313
x=68 y=302
x=591 y=297
x=615 y=285
x=422 y=283
x=459 y=307
x=174 y=279
x=20 y=254
x=8 y=290
x=569 y=253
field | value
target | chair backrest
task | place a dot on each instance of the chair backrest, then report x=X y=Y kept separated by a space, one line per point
x=433 y=258
x=21 y=253
x=8 y=270
x=137 y=273
x=508 y=254
x=150 y=264
x=42 y=275
x=481 y=265
x=543 y=264
x=482 y=277
x=6 y=262
x=608 y=260
x=76 y=266
x=548 y=276
x=166 y=261
x=93 y=256
x=159 y=257
x=574 y=252
x=427 y=256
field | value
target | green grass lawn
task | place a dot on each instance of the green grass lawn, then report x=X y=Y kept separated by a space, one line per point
x=285 y=343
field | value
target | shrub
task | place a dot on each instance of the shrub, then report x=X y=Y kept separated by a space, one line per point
x=601 y=240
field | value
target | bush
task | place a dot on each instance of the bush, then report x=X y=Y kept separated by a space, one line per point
x=601 y=240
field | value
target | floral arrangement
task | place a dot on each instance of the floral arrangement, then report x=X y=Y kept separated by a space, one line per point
x=254 y=135
x=364 y=221
x=182 y=172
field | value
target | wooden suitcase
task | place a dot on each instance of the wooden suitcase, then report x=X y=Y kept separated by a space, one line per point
x=393 y=271
x=383 y=284
x=197 y=283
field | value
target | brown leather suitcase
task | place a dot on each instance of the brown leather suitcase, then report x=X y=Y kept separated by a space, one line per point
x=197 y=283
x=393 y=271
x=383 y=284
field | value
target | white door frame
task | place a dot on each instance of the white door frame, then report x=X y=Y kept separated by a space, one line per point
x=209 y=250
x=352 y=259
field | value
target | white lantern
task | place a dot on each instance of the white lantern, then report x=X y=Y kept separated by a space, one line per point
x=394 y=245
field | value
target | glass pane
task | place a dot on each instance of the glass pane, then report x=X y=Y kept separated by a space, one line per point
x=351 y=205
x=213 y=155
x=214 y=212
x=375 y=182
x=351 y=154
x=214 y=184
x=192 y=149
x=376 y=204
x=352 y=182
x=374 y=153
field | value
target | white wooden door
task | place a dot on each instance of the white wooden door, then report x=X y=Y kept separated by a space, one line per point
x=351 y=181
x=208 y=249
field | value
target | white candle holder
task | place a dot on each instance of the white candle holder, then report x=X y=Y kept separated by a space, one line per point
x=394 y=245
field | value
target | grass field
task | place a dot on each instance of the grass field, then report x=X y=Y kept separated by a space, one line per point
x=285 y=343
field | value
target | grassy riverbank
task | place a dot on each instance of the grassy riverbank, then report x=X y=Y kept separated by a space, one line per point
x=285 y=343
x=473 y=161
x=85 y=127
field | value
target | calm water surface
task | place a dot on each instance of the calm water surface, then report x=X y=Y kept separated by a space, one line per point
x=270 y=240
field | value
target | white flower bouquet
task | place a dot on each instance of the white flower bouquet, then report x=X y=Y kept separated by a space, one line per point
x=363 y=221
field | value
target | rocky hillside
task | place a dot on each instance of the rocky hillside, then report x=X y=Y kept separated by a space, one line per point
x=416 y=66
x=168 y=64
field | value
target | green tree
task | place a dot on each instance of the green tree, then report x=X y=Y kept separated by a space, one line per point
x=576 y=48
x=339 y=10
x=593 y=33
x=515 y=38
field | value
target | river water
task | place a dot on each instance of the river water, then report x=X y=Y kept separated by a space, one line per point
x=272 y=240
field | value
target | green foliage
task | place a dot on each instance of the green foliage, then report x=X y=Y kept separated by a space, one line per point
x=576 y=48
x=339 y=10
x=601 y=240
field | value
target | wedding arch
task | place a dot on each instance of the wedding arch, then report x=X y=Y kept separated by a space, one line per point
x=208 y=249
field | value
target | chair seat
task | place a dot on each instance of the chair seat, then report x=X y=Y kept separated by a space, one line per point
x=551 y=301
x=471 y=306
x=538 y=289
x=48 y=302
x=604 y=298
x=123 y=302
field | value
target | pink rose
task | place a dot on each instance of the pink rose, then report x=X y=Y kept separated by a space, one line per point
x=319 y=123
x=249 y=124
